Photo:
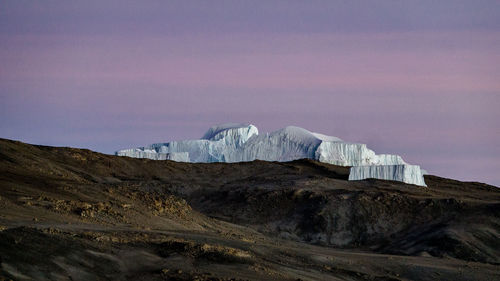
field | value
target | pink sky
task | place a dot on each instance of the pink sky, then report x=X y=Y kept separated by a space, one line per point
x=406 y=81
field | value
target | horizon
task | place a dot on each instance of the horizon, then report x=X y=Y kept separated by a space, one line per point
x=416 y=79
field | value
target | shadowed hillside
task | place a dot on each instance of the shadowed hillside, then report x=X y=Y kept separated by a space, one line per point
x=75 y=214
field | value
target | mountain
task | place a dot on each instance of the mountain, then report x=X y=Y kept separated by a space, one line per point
x=242 y=142
x=73 y=214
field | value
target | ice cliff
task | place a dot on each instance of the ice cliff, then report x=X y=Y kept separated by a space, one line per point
x=242 y=142
x=406 y=173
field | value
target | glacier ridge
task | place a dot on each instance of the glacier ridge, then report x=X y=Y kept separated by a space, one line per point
x=242 y=142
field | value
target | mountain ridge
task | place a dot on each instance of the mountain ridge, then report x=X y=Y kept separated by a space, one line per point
x=241 y=142
x=254 y=220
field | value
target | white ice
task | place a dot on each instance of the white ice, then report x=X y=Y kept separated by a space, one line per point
x=242 y=142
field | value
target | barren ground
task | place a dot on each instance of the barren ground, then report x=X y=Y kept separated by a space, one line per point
x=72 y=214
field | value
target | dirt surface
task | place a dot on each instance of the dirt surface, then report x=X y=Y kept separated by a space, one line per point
x=72 y=214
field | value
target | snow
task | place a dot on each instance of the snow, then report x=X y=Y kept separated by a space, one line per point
x=151 y=154
x=245 y=131
x=325 y=137
x=411 y=174
x=241 y=142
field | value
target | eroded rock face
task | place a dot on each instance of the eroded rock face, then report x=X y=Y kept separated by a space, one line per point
x=123 y=218
x=242 y=142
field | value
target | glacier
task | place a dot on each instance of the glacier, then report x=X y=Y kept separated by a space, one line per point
x=236 y=142
x=411 y=174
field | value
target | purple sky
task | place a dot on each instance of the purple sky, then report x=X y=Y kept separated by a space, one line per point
x=415 y=78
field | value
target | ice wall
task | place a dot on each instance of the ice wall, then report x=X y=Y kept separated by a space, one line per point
x=152 y=154
x=406 y=173
x=242 y=142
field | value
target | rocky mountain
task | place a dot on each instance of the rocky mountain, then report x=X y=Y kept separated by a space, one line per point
x=242 y=142
x=73 y=214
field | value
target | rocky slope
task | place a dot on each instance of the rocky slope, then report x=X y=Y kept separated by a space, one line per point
x=75 y=214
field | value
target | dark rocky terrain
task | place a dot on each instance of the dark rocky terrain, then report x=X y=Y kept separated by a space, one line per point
x=73 y=214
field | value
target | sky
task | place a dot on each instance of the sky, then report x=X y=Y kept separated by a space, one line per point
x=416 y=78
